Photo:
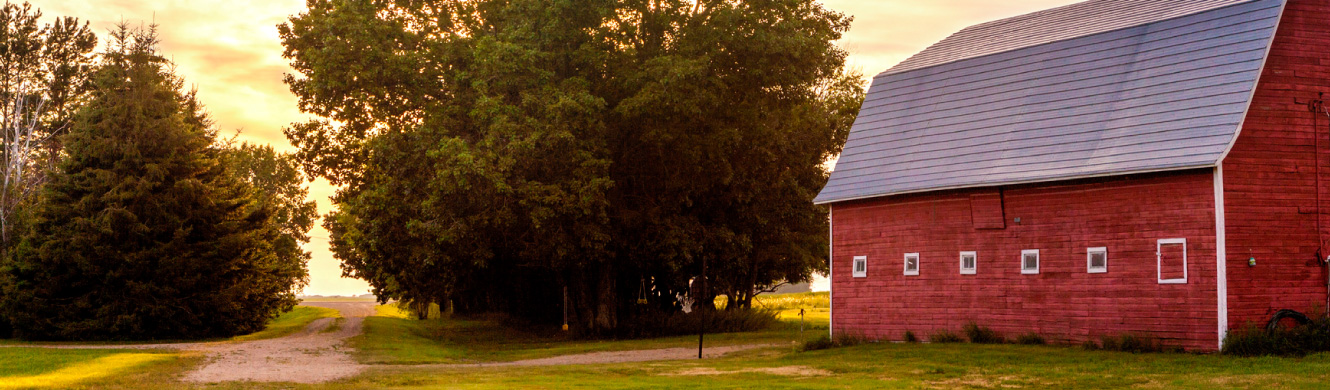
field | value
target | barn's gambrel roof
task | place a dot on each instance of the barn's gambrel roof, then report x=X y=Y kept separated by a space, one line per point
x=1098 y=88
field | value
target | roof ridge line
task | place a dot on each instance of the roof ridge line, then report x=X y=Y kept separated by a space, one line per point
x=890 y=71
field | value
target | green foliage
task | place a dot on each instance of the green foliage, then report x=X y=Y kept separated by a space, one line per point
x=1130 y=343
x=945 y=337
x=842 y=339
x=422 y=310
x=663 y=324
x=44 y=70
x=280 y=189
x=909 y=337
x=982 y=334
x=1301 y=340
x=1031 y=339
x=145 y=232
x=493 y=152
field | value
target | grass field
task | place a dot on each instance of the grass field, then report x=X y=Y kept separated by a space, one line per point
x=22 y=367
x=391 y=340
x=290 y=322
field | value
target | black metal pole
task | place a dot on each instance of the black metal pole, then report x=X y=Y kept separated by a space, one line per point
x=706 y=314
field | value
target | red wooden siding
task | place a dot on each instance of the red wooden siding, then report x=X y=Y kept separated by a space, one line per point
x=986 y=210
x=1271 y=180
x=1128 y=215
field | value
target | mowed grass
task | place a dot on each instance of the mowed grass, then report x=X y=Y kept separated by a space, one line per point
x=290 y=322
x=29 y=367
x=396 y=340
x=22 y=367
x=873 y=366
x=392 y=338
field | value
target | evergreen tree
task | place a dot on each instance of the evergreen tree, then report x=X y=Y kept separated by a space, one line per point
x=144 y=232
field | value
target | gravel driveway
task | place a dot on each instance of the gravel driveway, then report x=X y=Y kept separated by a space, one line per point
x=314 y=355
x=318 y=354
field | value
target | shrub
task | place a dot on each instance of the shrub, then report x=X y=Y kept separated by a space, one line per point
x=1131 y=343
x=944 y=337
x=658 y=324
x=421 y=310
x=818 y=344
x=1031 y=339
x=1089 y=345
x=910 y=337
x=842 y=339
x=1251 y=340
x=982 y=335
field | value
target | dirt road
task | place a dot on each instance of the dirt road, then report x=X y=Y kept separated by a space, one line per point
x=315 y=355
x=320 y=353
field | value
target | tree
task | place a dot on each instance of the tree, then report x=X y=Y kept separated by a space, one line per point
x=144 y=232
x=43 y=76
x=492 y=152
x=280 y=188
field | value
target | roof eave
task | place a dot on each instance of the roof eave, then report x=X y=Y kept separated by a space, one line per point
x=1015 y=182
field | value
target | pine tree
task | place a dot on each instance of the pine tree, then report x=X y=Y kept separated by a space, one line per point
x=144 y=232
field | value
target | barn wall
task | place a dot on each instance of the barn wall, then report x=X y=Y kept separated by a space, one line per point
x=1271 y=179
x=1063 y=302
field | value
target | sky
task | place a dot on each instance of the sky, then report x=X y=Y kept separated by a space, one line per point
x=229 y=50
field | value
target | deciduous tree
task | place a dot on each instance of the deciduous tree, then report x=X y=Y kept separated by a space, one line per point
x=493 y=152
x=43 y=76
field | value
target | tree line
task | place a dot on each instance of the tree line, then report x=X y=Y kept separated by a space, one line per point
x=124 y=215
x=493 y=154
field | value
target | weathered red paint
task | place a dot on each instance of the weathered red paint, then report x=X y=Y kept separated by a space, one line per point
x=1128 y=215
x=1271 y=177
x=1271 y=181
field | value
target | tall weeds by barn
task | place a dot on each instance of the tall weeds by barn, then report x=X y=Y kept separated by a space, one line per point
x=1252 y=340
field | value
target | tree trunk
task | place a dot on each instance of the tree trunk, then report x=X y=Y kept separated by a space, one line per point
x=607 y=316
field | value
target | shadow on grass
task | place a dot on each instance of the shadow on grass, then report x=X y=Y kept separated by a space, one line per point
x=391 y=337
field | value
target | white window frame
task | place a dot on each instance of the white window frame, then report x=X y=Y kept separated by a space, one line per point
x=1037 y=262
x=854 y=267
x=973 y=270
x=906 y=265
x=1089 y=263
x=1159 y=260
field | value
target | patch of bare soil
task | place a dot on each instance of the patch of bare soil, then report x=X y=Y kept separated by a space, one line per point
x=315 y=355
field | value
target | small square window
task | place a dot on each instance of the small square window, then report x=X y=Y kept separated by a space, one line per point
x=911 y=264
x=1096 y=260
x=861 y=266
x=969 y=263
x=1030 y=261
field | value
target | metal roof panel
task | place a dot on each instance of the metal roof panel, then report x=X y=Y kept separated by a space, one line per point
x=1097 y=88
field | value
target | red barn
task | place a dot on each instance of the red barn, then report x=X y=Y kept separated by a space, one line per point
x=1148 y=167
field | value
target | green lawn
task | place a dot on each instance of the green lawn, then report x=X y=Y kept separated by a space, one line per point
x=22 y=367
x=290 y=322
x=392 y=340
x=64 y=368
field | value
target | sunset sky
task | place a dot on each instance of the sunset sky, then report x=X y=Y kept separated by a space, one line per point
x=230 y=51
